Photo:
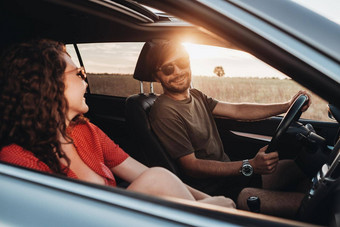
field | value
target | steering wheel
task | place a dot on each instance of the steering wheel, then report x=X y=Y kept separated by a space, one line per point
x=293 y=114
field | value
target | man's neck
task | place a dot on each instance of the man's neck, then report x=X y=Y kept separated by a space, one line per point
x=178 y=96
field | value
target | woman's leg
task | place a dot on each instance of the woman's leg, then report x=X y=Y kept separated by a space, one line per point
x=161 y=182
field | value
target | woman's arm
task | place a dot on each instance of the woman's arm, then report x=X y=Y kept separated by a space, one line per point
x=168 y=185
x=129 y=169
x=198 y=195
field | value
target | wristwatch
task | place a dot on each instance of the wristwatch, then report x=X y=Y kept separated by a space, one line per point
x=246 y=169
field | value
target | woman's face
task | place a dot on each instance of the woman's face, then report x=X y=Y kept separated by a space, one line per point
x=75 y=88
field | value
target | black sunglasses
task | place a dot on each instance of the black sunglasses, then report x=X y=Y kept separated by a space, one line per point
x=169 y=68
x=80 y=72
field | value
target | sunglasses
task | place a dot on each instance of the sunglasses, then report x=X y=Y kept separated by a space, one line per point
x=169 y=68
x=80 y=72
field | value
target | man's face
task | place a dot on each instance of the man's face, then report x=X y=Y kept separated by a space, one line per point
x=175 y=74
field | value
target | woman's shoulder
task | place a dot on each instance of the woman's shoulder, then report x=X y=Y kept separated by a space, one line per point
x=85 y=132
x=84 y=127
x=17 y=155
x=14 y=150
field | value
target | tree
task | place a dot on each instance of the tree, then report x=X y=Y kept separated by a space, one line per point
x=219 y=71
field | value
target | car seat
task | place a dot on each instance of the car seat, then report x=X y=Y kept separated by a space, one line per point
x=146 y=147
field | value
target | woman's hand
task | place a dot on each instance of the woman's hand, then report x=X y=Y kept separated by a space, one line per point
x=219 y=201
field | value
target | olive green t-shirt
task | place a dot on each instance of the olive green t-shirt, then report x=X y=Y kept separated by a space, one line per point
x=187 y=126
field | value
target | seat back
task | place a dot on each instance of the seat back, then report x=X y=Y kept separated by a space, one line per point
x=146 y=146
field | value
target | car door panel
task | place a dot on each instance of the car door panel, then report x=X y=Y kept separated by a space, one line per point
x=242 y=140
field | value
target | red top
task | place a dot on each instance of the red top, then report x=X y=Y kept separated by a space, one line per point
x=94 y=147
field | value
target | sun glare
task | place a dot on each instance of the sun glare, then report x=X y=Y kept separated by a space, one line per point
x=205 y=51
x=205 y=58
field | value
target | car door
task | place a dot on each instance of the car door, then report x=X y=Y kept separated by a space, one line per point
x=242 y=140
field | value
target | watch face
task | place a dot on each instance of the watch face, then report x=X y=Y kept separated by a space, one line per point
x=247 y=170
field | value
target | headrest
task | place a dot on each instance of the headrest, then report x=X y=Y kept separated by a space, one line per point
x=143 y=72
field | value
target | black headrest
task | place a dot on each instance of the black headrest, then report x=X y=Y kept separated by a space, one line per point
x=143 y=72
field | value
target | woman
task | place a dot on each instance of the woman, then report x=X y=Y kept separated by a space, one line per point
x=42 y=127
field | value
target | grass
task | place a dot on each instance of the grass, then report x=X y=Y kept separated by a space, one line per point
x=268 y=90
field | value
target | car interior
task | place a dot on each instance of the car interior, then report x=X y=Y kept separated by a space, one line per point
x=125 y=119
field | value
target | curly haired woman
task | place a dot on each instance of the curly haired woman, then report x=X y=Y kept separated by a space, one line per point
x=42 y=127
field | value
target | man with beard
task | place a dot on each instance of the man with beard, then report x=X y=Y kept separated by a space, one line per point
x=183 y=120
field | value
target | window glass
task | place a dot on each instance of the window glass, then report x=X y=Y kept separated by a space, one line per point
x=110 y=67
x=235 y=76
x=72 y=52
x=222 y=73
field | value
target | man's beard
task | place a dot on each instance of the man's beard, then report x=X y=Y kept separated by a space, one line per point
x=178 y=88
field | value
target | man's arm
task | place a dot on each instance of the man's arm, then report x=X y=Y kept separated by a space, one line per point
x=262 y=163
x=249 y=111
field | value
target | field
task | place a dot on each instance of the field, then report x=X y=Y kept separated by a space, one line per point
x=259 y=90
x=268 y=90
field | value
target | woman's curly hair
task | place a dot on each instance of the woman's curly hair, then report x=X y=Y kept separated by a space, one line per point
x=32 y=101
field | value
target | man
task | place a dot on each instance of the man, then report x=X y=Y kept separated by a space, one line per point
x=183 y=120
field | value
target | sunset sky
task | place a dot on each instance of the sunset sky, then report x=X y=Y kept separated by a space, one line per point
x=112 y=58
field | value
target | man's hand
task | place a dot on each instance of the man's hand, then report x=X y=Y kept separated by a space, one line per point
x=306 y=106
x=264 y=163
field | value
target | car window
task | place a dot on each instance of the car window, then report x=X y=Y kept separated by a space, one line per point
x=110 y=67
x=224 y=74
x=235 y=76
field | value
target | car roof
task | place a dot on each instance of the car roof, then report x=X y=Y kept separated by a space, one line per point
x=77 y=21
x=277 y=32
